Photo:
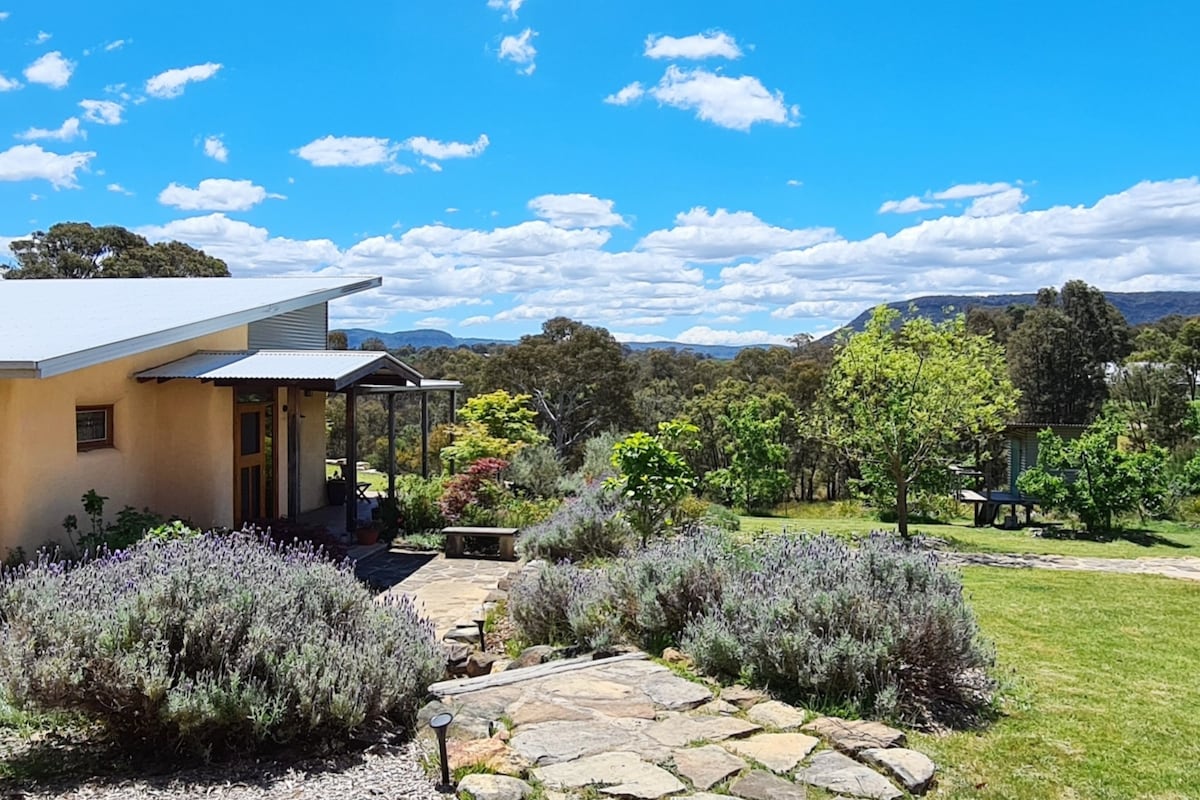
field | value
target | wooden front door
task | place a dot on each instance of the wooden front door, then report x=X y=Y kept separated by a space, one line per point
x=253 y=455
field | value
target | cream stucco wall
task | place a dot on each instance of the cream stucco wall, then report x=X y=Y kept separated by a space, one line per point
x=312 y=451
x=173 y=445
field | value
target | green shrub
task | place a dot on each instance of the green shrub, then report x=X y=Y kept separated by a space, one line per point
x=417 y=504
x=585 y=527
x=535 y=471
x=129 y=526
x=212 y=643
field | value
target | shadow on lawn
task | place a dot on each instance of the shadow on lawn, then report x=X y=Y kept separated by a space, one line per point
x=1139 y=536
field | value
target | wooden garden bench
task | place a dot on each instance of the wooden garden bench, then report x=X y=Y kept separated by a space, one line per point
x=505 y=536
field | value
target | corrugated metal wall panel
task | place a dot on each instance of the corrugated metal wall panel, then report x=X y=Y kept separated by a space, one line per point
x=302 y=329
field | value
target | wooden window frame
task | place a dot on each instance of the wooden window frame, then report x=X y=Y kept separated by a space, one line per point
x=97 y=444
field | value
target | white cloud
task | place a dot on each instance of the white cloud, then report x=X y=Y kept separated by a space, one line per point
x=475 y=320
x=102 y=112
x=63 y=133
x=348 y=151
x=115 y=45
x=452 y=210
x=432 y=148
x=3 y=15
x=509 y=7
x=117 y=188
x=965 y=191
x=735 y=103
x=214 y=194
x=214 y=148
x=433 y=322
x=723 y=235
x=246 y=248
x=908 y=205
x=520 y=50
x=795 y=183
x=26 y=162
x=8 y=84
x=990 y=205
x=629 y=94
x=702 y=334
x=714 y=44
x=575 y=211
x=50 y=70
x=169 y=84
x=43 y=37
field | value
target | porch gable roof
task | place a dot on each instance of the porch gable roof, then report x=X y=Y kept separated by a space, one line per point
x=323 y=370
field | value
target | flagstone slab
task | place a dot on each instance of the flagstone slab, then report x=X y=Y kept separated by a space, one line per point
x=914 y=770
x=675 y=693
x=836 y=772
x=680 y=731
x=481 y=786
x=619 y=773
x=854 y=736
x=779 y=752
x=491 y=754
x=774 y=714
x=707 y=766
x=742 y=697
x=716 y=707
x=760 y=785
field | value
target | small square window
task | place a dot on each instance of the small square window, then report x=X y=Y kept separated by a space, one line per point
x=93 y=427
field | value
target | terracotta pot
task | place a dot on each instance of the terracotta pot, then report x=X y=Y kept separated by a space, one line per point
x=368 y=535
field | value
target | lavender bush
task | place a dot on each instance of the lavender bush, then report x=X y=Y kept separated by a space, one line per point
x=213 y=643
x=879 y=627
x=586 y=527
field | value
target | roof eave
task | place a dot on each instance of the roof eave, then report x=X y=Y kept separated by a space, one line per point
x=140 y=344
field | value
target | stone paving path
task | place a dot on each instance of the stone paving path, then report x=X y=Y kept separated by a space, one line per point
x=628 y=727
x=1183 y=568
x=447 y=590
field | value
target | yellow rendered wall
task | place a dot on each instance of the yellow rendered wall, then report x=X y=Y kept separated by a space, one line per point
x=173 y=445
x=312 y=451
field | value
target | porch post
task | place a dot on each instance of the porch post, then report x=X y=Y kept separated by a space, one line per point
x=391 y=445
x=425 y=434
x=293 y=451
x=350 y=472
x=453 y=420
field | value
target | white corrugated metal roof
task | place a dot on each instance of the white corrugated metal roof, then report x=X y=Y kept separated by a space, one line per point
x=332 y=369
x=48 y=327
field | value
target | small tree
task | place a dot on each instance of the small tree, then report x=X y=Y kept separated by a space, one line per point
x=494 y=425
x=1093 y=477
x=756 y=477
x=654 y=478
x=899 y=401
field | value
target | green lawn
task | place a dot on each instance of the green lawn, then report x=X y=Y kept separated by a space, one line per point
x=1155 y=539
x=1105 y=695
x=378 y=480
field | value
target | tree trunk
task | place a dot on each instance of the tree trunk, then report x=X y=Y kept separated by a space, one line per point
x=902 y=507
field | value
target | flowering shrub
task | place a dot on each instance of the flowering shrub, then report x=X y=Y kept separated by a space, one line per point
x=880 y=627
x=585 y=527
x=212 y=643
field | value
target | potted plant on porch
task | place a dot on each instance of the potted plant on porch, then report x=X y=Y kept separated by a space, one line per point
x=335 y=489
x=367 y=533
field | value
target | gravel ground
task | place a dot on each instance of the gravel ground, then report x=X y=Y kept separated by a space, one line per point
x=382 y=771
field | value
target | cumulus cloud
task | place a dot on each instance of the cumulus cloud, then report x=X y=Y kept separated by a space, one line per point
x=50 y=70
x=117 y=188
x=170 y=84
x=102 y=112
x=509 y=7
x=990 y=205
x=246 y=248
x=575 y=211
x=69 y=130
x=714 y=44
x=42 y=37
x=965 y=191
x=214 y=148
x=8 y=84
x=908 y=205
x=26 y=162
x=215 y=194
x=702 y=334
x=629 y=94
x=519 y=49
x=432 y=148
x=736 y=103
x=348 y=151
x=699 y=235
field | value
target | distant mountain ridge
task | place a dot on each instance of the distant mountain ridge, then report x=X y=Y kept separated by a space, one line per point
x=431 y=337
x=1138 y=307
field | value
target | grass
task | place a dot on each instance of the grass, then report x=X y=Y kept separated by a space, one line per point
x=1105 y=693
x=378 y=480
x=1152 y=539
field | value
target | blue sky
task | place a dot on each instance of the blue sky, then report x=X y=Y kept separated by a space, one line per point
x=701 y=171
